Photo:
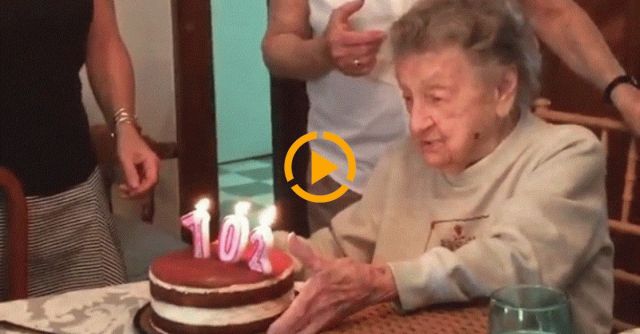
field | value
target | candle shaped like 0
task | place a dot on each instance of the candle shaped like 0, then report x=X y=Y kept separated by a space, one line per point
x=234 y=234
x=262 y=240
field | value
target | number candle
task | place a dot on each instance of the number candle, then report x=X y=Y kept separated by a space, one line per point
x=197 y=222
x=234 y=233
x=203 y=216
x=262 y=240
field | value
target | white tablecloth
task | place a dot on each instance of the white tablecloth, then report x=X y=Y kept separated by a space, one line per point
x=103 y=310
x=112 y=310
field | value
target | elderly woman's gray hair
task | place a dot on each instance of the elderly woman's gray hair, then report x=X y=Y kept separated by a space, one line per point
x=491 y=31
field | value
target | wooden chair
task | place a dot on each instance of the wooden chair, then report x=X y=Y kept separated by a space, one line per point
x=107 y=160
x=624 y=233
x=17 y=231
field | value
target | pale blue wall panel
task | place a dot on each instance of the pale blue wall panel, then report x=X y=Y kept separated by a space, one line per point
x=241 y=80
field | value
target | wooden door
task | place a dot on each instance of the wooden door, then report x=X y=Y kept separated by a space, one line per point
x=195 y=114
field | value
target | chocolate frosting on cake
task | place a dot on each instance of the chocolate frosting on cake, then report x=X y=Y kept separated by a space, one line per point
x=181 y=268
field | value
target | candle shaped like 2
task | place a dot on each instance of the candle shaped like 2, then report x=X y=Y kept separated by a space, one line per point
x=234 y=234
x=262 y=240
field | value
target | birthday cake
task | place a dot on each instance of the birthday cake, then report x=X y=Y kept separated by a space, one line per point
x=196 y=295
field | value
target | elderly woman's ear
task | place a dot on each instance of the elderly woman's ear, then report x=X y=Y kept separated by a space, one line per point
x=506 y=91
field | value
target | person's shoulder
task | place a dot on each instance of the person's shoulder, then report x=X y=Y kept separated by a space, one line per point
x=572 y=139
x=568 y=135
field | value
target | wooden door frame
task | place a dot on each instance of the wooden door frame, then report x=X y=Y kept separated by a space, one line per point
x=289 y=113
x=195 y=105
x=195 y=120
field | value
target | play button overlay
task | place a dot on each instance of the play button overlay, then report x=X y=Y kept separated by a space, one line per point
x=321 y=167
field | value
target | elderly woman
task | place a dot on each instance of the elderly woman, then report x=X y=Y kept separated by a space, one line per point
x=484 y=194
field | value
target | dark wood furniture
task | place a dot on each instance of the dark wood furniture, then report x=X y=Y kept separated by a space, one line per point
x=195 y=106
x=18 y=230
x=289 y=110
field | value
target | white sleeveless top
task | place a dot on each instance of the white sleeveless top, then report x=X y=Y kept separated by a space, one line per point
x=367 y=112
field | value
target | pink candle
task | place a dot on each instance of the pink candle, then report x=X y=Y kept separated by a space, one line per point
x=197 y=222
x=203 y=216
x=234 y=234
x=262 y=240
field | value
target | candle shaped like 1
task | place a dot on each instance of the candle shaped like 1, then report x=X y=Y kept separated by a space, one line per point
x=203 y=216
x=234 y=234
x=262 y=240
x=197 y=222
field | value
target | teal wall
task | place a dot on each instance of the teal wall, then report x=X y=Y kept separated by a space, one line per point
x=243 y=108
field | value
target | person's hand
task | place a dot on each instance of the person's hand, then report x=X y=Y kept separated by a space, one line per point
x=350 y=51
x=336 y=289
x=139 y=163
x=626 y=98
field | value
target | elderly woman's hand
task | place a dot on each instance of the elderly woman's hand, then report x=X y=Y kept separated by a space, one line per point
x=139 y=163
x=352 y=52
x=336 y=289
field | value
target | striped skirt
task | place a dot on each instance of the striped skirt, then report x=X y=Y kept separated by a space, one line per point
x=72 y=241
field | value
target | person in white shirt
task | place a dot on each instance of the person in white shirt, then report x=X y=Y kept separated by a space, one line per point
x=484 y=194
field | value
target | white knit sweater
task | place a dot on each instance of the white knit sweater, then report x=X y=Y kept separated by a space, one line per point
x=533 y=211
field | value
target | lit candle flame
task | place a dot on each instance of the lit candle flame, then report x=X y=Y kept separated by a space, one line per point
x=203 y=204
x=242 y=208
x=268 y=216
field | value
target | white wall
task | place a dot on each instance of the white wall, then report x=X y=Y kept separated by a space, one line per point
x=146 y=28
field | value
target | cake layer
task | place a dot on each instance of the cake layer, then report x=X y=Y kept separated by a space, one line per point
x=171 y=327
x=180 y=268
x=195 y=316
x=233 y=295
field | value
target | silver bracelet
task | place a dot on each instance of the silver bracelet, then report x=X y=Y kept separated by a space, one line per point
x=123 y=116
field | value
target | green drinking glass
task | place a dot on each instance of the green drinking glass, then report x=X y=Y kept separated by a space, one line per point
x=529 y=309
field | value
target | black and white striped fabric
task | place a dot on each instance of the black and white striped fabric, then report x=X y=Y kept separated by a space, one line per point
x=72 y=241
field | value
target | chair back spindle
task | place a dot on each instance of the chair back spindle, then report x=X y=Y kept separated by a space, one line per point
x=629 y=181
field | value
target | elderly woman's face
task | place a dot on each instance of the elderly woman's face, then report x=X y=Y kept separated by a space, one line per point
x=456 y=117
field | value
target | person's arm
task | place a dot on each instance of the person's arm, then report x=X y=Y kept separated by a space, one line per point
x=567 y=29
x=111 y=76
x=546 y=233
x=290 y=50
x=569 y=32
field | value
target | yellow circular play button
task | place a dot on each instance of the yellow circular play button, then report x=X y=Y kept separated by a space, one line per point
x=320 y=166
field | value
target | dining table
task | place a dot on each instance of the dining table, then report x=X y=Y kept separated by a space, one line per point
x=117 y=309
